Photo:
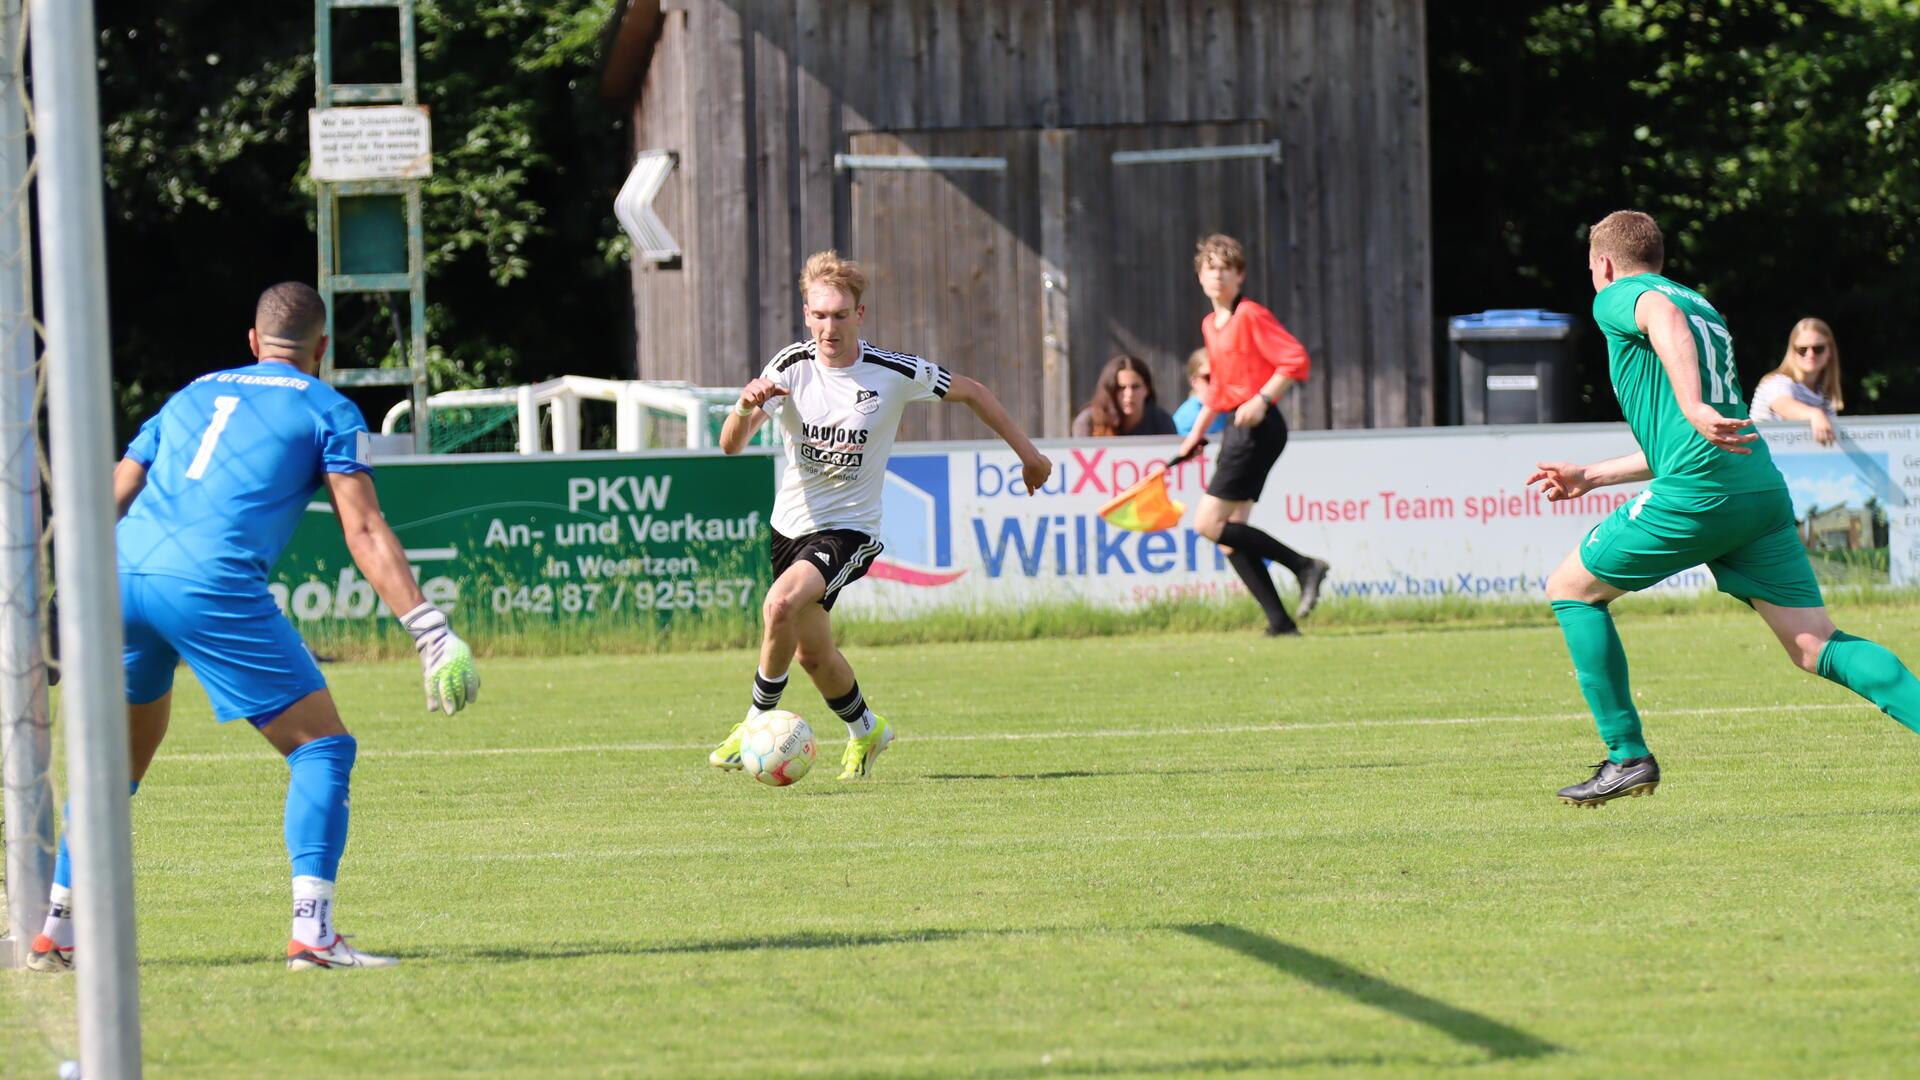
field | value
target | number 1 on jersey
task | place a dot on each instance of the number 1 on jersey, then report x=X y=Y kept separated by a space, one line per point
x=223 y=407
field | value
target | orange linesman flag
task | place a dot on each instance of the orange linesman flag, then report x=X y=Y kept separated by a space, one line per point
x=1144 y=507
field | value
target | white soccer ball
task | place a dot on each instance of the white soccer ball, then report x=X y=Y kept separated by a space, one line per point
x=777 y=748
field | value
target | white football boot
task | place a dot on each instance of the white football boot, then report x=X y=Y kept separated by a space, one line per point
x=304 y=957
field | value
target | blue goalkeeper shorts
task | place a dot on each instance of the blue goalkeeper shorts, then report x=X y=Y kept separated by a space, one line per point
x=247 y=656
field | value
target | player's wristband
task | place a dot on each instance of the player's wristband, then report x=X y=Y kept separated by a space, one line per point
x=742 y=410
x=427 y=624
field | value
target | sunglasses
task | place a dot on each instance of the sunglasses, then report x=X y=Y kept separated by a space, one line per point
x=1205 y=376
x=1817 y=350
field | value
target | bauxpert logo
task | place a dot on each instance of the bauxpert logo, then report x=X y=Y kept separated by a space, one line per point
x=917 y=523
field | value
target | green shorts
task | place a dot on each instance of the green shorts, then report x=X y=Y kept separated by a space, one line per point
x=1750 y=542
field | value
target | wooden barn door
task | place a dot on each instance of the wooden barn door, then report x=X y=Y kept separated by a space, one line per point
x=1030 y=276
x=954 y=256
x=1131 y=225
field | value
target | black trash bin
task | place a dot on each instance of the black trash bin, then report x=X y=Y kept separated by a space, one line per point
x=1512 y=367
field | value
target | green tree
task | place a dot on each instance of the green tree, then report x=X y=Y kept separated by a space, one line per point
x=1774 y=141
x=204 y=129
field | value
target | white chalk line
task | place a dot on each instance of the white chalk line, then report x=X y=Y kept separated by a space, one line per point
x=760 y=846
x=1020 y=736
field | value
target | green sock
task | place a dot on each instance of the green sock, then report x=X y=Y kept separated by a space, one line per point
x=1601 y=664
x=1875 y=674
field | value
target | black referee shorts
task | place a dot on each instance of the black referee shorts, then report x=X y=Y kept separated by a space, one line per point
x=1246 y=457
x=841 y=555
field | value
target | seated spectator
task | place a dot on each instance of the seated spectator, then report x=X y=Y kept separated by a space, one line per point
x=1123 y=403
x=1806 y=385
x=1199 y=373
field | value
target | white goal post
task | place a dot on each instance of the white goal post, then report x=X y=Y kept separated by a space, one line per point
x=72 y=243
x=26 y=738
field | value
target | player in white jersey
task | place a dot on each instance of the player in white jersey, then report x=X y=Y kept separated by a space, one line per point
x=839 y=401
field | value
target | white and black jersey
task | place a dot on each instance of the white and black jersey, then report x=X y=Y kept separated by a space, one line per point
x=839 y=425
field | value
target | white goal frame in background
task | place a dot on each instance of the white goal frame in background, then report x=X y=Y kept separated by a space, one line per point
x=26 y=737
x=65 y=168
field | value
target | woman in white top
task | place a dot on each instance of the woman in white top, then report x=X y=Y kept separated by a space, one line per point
x=1806 y=385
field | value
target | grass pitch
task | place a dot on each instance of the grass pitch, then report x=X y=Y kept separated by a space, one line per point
x=1138 y=856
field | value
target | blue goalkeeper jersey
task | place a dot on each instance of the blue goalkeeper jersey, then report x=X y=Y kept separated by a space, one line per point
x=232 y=461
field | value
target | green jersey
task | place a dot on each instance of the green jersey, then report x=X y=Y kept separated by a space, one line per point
x=1684 y=463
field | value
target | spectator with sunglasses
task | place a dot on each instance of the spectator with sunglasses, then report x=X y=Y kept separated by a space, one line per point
x=1806 y=385
x=1199 y=377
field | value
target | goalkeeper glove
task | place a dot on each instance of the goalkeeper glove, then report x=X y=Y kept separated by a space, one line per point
x=452 y=682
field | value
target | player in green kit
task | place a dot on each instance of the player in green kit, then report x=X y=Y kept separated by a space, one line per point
x=1715 y=498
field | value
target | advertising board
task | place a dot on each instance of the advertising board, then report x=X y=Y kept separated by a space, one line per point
x=601 y=535
x=1398 y=513
x=1416 y=513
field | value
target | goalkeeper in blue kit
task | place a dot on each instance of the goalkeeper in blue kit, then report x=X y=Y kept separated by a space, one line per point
x=209 y=493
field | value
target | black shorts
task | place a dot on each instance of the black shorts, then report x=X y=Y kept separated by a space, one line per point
x=841 y=555
x=1246 y=457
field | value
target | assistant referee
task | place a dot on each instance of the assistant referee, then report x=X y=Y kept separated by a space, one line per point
x=1254 y=361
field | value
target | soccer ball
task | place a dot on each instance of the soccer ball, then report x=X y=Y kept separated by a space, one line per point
x=777 y=748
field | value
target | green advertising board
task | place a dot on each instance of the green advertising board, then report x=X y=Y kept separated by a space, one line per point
x=510 y=539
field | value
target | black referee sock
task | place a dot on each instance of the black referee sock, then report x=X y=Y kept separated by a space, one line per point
x=1253 y=570
x=1240 y=536
x=766 y=692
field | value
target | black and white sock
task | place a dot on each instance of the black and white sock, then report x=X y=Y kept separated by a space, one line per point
x=1253 y=571
x=313 y=911
x=766 y=692
x=59 y=925
x=852 y=708
x=1240 y=536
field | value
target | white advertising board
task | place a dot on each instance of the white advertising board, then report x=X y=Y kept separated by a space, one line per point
x=373 y=142
x=1427 y=512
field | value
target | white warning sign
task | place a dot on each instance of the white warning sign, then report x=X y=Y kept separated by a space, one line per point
x=375 y=142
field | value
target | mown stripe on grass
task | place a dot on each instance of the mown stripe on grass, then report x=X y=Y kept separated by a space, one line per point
x=1098 y=733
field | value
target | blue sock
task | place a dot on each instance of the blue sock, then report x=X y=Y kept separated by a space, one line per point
x=317 y=805
x=63 y=862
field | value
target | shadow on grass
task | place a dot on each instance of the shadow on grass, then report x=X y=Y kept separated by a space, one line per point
x=1463 y=1025
x=801 y=942
x=1183 y=1067
x=783 y=943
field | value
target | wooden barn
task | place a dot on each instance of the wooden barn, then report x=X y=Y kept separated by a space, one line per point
x=1025 y=180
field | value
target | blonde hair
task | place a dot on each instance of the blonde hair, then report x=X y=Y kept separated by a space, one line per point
x=1222 y=247
x=1195 y=359
x=1631 y=239
x=828 y=268
x=1829 y=379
